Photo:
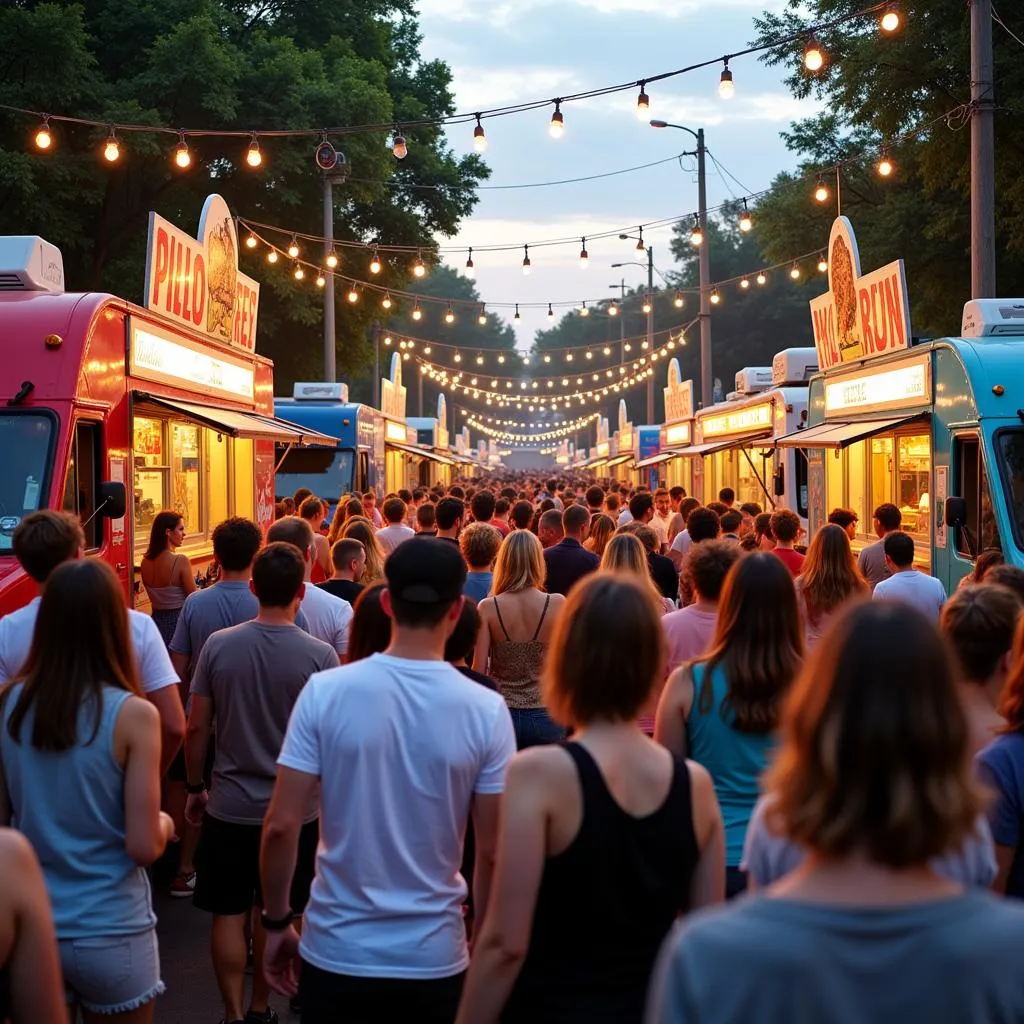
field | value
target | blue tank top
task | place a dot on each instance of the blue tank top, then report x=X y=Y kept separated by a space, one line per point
x=70 y=807
x=734 y=759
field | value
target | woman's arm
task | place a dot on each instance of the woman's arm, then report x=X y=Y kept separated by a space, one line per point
x=482 y=651
x=673 y=711
x=708 y=885
x=137 y=748
x=500 y=950
x=185 y=577
x=323 y=554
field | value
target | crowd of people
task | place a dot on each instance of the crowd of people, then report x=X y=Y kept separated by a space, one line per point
x=517 y=749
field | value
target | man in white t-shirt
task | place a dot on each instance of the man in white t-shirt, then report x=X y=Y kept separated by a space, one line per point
x=906 y=584
x=396 y=531
x=662 y=516
x=328 y=618
x=42 y=541
x=403 y=748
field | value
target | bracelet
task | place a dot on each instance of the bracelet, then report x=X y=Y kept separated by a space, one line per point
x=194 y=789
x=276 y=924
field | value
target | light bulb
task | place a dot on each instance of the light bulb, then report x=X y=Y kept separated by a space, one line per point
x=353 y=295
x=568 y=357
x=761 y=278
x=745 y=283
x=253 y=156
x=794 y=272
x=272 y=256
x=501 y=359
x=427 y=350
x=646 y=307
x=551 y=312
x=607 y=350
x=613 y=310
x=526 y=261
x=320 y=280
x=250 y=242
x=746 y=221
x=400 y=147
x=726 y=87
x=584 y=255
x=890 y=19
x=182 y=154
x=589 y=354
x=386 y=301
x=387 y=340
x=470 y=270
x=479 y=136
x=293 y=248
x=332 y=259
x=417 y=313
x=449 y=317
x=517 y=316
x=583 y=309
x=375 y=263
x=696 y=233
x=821 y=192
x=627 y=347
x=479 y=362
x=822 y=263
x=556 y=127
x=678 y=300
x=814 y=56
x=44 y=139
x=715 y=298
x=298 y=273
x=643 y=103
x=419 y=267
x=111 y=148
x=482 y=317
x=458 y=355
x=885 y=166
x=547 y=358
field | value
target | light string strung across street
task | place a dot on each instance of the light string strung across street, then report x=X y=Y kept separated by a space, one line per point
x=497 y=421
x=398 y=130
x=545 y=435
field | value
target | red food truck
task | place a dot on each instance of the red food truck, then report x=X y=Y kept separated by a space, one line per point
x=115 y=411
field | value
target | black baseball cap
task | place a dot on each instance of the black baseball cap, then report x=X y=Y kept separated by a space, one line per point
x=424 y=570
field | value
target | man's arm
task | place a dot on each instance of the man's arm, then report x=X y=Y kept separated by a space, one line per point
x=167 y=702
x=293 y=791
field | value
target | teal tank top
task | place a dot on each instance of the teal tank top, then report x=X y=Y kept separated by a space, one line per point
x=734 y=759
x=70 y=807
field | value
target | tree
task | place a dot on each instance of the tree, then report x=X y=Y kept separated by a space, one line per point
x=229 y=65
x=878 y=89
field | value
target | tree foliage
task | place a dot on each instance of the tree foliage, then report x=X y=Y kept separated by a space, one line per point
x=876 y=89
x=229 y=65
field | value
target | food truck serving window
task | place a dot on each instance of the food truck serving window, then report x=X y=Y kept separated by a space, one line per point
x=26 y=440
x=81 y=484
x=1010 y=452
x=327 y=472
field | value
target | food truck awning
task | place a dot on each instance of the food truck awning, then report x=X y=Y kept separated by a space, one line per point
x=247 y=425
x=421 y=453
x=711 y=447
x=619 y=460
x=654 y=460
x=839 y=435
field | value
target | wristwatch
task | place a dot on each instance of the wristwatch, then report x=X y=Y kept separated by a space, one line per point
x=195 y=788
x=276 y=924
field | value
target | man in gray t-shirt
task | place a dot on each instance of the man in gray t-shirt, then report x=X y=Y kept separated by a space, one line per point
x=245 y=684
x=873 y=567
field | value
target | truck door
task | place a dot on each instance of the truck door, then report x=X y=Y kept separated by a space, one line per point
x=979 y=532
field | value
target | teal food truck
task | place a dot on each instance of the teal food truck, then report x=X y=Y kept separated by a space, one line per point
x=934 y=427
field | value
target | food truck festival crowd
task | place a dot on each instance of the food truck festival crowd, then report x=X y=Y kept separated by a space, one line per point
x=517 y=748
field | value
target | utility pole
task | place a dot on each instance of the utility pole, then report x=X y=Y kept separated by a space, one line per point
x=704 y=256
x=375 y=334
x=650 y=330
x=983 y=153
x=419 y=394
x=337 y=175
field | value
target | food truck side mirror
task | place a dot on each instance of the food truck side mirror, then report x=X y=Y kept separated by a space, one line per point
x=779 y=482
x=113 y=500
x=956 y=511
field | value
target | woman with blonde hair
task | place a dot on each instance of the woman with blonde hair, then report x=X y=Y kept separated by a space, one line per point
x=360 y=529
x=829 y=579
x=601 y=529
x=604 y=841
x=625 y=552
x=517 y=622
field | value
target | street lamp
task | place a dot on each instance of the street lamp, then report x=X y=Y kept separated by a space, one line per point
x=706 y=390
x=650 y=315
x=334 y=168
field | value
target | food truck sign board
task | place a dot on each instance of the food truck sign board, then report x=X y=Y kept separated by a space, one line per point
x=859 y=317
x=678 y=395
x=197 y=283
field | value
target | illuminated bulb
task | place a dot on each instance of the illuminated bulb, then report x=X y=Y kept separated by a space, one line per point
x=479 y=362
x=890 y=19
x=607 y=350
x=885 y=166
x=613 y=310
x=568 y=357
x=494 y=383
x=386 y=301
x=761 y=278
x=353 y=295
x=427 y=350
x=821 y=192
x=584 y=256
x=479 y=136
x=526 y=261
x=715 y=298
x=547 y=358
x=417 y=313
x=551 y=312
x=726 y=87
x=583 y=309
x=293 y=248
x=298 y=273
x=696 y=234
x=253 y=156
x=470 y=270
x=43 y=137
x=814 y=57
x=589 y=354
x=449 y=317
x=643 y=103
x=332 y=259
x=182 y=154
x=272 y=256
x=375 y=263
x=822 y=263
x=640 y=242
x=458 y=357
x=112 y=148
x=556 y=127
x=678 y=300
x=419 y=268
x=646 y=307
x=400 y=147
x=387 y=340
x=745 y=283
x=481 y=318
x=501 y=359
x=250 y=242
x=746 y=221
x=794 y=272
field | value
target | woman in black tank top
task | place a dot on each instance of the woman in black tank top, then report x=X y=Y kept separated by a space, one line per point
x=605 y=840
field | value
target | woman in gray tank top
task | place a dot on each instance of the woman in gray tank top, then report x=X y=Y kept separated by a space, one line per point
x=80 y=756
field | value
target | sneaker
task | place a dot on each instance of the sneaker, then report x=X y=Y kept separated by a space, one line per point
x=183 y=885
x=270 y=1017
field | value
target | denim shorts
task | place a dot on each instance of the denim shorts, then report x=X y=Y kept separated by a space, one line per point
x=111 y=974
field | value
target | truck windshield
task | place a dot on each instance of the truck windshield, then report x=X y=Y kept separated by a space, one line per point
x=26 y=440
x=1010 y=452
x=327 y=472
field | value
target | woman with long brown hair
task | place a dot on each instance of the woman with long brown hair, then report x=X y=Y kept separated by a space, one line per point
x=625 y=553
x=604 y=841
x=729 y=708
x=80 y=755
x=829 y=579
x=361 y=529
x=601 y=529
x=166 y=575
x=370 y=632
x=873 y=780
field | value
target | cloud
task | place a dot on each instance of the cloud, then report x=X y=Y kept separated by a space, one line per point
x=482 y=87
x=704 y=111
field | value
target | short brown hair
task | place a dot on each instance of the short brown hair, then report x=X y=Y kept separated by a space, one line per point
x=425 y=515
x=979 y=622
x=394 y=510
x=785 y=525
x=479 y=543
x=45 y=539
x=522 y=515
x=647 y=536
x=607 y=651
x=874 y=751
x=345 y=551
x=575 y=518
x=1011 y=576
x=311 y=507
x=708 y=564
x=292 y=530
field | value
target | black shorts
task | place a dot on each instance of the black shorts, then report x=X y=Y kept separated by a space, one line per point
x=177 y=772
x=228 y=867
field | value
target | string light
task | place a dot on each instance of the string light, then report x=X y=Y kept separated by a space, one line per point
x=399 y=147
x=885 y=165
x=821 y=192
x=417 y=313
x=43 y=137
x=332 y=259
x=556 y=127
x=814 y=56
x=726 y=87
x=375 y=263
x=822 y=263
x=479 y=362
x=272 y=256
x=449 y=317
x=746 y=221
x=479 y=136
x=646 y=307
x=182 y=154
x=584 y=311
x=643 y=103
x=353 y=294
x=501 y=359
x=111 y=148
x=762 y=278
x=470 y=270
x=696 y=234
x=387 y=340
x=458 y=357
x=584 y=255
x=419 y=268
x=547 y=357
x=251 y=242
x=794 y=272
x=253 y=156
x=298 y=273
x=293 y=248
x=890 y=21
x=589 y=354
x=386 y=301
x=640 y=247
x=481 y=317
x=551 y=312
x=526 y=261
x=568 y=357
x=613 y=310
x=715 y=298
x=678 y=299
x=517 y=316
x=744 y=283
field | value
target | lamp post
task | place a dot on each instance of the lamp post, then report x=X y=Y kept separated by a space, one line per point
x=621 y=289
x=706 y=387
x=336 y=175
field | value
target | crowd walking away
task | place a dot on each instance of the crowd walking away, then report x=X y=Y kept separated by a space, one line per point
x=513 y=748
